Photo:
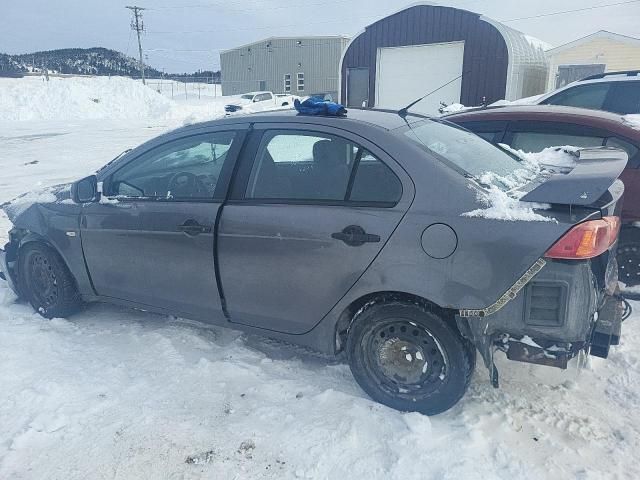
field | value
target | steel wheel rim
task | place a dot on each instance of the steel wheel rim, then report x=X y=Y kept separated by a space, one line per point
x=629 y=265
x=405 y=358
x=42 y=280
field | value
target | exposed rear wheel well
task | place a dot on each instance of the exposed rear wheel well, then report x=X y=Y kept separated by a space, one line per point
x=344 y=322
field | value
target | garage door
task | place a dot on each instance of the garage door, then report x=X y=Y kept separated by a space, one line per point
x=405 y=74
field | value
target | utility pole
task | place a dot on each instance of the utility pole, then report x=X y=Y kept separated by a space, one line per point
x=138 y=27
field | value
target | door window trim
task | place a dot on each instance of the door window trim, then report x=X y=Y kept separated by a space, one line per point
x=248 y=156
x=222 y=185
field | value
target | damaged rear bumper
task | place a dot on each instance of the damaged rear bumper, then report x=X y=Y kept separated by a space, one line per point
x=562 y=309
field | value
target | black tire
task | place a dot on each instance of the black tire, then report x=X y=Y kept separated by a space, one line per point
x=46 y=281
x=409 y=356
x=628 y=257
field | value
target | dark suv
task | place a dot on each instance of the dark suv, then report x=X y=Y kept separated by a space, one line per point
x=536 y=127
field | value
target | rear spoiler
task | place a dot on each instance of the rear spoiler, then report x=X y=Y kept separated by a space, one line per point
x=596 y=170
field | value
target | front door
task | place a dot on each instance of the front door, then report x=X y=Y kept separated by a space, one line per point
x=310 y=210
x=151 y=238
x=358 y=87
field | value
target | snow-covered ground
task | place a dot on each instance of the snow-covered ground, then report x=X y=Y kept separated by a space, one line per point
x=122 y=394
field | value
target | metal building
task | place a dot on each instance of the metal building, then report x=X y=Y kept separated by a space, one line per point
x=295 y=65
x=423 y=47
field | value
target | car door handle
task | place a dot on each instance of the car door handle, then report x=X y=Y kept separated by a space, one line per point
x=355 y=236
x=192 y=227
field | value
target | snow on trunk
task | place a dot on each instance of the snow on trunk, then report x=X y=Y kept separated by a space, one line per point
x=501 y=200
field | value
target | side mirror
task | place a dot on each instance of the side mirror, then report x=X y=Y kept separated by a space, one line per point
x=85 y=190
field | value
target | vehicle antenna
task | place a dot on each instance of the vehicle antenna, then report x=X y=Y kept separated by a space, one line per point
x=404 y=111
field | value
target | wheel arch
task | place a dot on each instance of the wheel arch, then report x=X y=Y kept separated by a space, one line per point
x=29 y=237
x=348 y=314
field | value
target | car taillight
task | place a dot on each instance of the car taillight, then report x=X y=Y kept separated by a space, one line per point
x=586 y=240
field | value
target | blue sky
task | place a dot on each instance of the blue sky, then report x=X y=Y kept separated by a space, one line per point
x=186 y=35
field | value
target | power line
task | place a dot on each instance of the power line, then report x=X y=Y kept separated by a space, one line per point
x=583 y=9
x=126 y=53
x=138 y=27
x=368 y=18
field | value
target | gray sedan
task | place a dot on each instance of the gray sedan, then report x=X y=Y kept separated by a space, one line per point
x=369 y=234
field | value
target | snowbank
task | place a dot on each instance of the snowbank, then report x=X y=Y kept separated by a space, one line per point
x=32 y=98
x=454 y=107
x=123 y=394
x=632 y=120
x=521 y=101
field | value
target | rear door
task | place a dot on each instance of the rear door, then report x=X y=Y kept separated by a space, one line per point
x=151 y=239
x=311 y=208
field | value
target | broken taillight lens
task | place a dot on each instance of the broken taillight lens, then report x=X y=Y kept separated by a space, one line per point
x=586 y=240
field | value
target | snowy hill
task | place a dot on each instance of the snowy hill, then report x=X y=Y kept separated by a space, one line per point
x=80 y=61
x=85 y=61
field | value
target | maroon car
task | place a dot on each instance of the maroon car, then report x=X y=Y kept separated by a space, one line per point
x=532 y=128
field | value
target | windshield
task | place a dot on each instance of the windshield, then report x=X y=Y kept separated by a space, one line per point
x=465 y=150
x=247 y=97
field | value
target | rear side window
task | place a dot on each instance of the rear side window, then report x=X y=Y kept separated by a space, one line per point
x=632 y=151
x=591 y=96
x=538 y=141
x=625 y=98
x=374 y=181
x=311 y=166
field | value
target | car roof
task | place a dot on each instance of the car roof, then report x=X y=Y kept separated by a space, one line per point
x=627 y=76
x=385 y=119
x=549 y=113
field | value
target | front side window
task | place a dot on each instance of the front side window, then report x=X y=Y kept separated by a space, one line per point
x=310 y=166
x=591 y=96
x=538 y=141
x=187 y=168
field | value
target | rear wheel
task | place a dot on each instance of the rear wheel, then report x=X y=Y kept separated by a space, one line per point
x=628 y=257
x=46 y=281
x=409 y=357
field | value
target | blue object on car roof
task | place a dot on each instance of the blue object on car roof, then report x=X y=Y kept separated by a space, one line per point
x=318 y=106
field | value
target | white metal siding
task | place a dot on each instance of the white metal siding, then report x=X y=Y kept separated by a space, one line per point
x=318 y=58
x=405 y=74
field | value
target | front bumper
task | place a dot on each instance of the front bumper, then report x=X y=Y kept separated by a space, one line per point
x=6 y=273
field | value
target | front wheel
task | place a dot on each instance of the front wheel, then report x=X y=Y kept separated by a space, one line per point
x=46 y=281
x=409 y=357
